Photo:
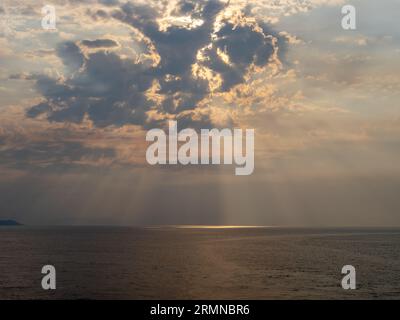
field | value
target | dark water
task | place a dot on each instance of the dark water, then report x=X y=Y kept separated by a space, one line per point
x=168 y=263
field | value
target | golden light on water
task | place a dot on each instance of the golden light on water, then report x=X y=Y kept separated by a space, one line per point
x=215 y=227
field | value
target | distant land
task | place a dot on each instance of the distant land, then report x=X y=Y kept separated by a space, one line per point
x=9 y=223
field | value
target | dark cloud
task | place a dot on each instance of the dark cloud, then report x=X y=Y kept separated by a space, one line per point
x=70 y=54
x=177 y=46
x=111 y=90
x=185 y=7
x=100 y=43
x=38 y=109
x=244 y=46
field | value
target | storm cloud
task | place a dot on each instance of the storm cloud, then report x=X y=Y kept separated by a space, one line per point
x=111 y=89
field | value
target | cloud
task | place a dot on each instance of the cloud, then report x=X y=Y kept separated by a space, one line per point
x=70 y=54
x=243 y=46
x=99 y=43
x=52 y=154
x=111 y=89
x=109 y=2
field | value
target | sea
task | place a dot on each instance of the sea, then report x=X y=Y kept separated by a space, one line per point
x=192 y=262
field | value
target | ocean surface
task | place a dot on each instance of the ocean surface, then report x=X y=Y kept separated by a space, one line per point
x=191 y=263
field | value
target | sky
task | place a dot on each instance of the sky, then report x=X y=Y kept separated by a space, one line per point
x=76 y=103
